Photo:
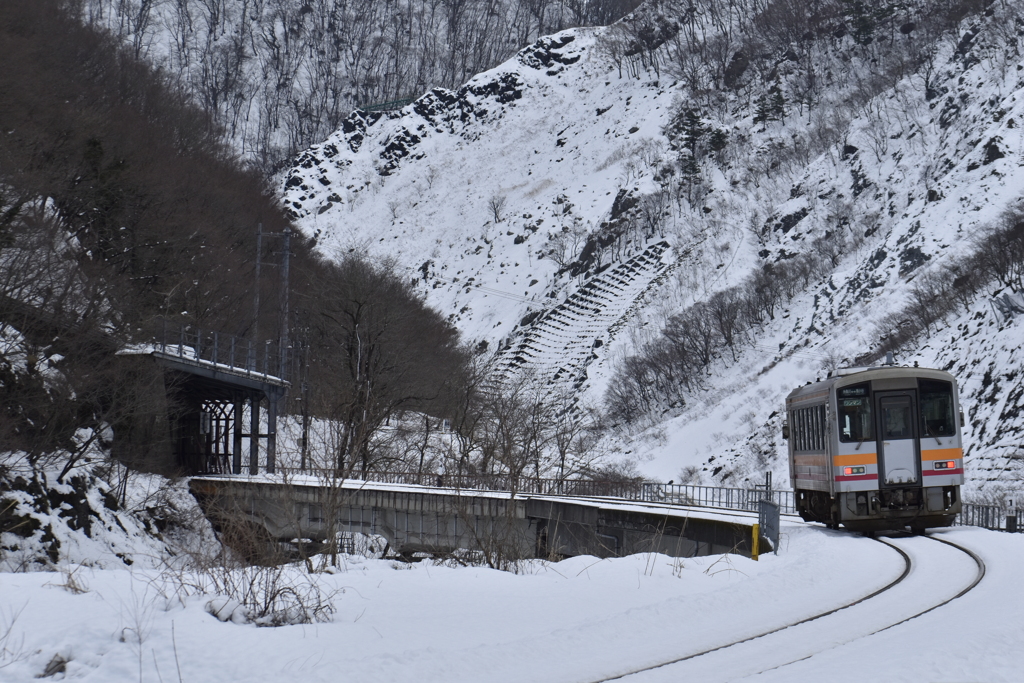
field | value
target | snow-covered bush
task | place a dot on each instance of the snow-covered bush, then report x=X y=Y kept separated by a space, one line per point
x=45 y=523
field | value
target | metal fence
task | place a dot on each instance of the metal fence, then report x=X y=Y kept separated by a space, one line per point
x=628 y=490
x=203 y=347
x=995 y=517
x=675 y=494
x=716 y=496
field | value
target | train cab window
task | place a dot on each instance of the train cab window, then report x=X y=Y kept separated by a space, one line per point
x=855 y=422
x=937 y=415
x=897 y=420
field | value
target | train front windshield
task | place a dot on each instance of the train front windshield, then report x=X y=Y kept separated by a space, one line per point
x=855 y=422
x=937 y=408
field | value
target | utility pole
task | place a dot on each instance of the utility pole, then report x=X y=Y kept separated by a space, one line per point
x=304 y=399
x=286 y=257
x=284 y=291
x=256 y=296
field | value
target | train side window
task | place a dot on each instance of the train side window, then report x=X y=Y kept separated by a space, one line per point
x=808 y=429
x=855 y=422
x=817 y=429
x=937 y=418
x=823 y=421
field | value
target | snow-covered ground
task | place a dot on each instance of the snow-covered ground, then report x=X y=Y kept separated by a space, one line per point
x=582 y=619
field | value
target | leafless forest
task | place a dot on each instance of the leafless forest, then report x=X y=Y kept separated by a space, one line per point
x=279 y=75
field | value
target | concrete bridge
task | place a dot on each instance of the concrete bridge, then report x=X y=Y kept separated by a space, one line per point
x=439 y=520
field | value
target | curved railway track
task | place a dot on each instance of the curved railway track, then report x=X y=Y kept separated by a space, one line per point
x=908 y=566
x=977 y=579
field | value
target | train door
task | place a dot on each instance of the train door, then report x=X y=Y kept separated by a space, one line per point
x=898 y=449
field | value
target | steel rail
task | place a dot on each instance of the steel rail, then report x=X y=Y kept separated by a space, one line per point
x=981 y=574
x=977 y=579
x=677 y=660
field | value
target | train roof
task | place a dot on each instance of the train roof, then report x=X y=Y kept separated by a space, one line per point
x=847 y=376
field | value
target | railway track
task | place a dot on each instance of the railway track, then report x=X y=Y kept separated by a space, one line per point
x=866 y=616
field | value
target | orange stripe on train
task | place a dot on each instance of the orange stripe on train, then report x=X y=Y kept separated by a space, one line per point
x=855 y=459
x=942 y=454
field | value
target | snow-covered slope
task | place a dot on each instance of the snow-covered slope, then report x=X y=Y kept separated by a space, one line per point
x=504 y=199
x=465 y=188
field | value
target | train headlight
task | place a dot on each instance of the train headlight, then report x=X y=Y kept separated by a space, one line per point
x=945 y=464
x=853 y=470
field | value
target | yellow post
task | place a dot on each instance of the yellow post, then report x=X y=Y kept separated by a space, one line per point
x=757 y=541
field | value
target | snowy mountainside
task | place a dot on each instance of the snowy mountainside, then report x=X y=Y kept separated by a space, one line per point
x=502 y=199
x=475 y=229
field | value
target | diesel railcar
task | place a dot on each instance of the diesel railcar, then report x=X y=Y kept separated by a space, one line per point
x=877 y=448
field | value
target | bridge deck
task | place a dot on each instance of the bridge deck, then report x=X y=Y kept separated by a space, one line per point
x=596 y=502
x=436 y=519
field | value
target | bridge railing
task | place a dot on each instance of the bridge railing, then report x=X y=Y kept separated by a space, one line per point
x=993 y=517
x=490 y=482
x=717 y=496
x=676 y=494
x=203 y=347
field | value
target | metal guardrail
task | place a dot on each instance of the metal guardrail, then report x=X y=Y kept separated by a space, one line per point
x=233 y=354
x=716 y=496
x=629 y=490
x=675 y=494
x=993 y=517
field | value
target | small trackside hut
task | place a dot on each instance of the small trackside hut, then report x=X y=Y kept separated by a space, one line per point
x=877 y=448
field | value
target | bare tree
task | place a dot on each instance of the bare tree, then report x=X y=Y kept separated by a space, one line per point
x=496 y=204
x=382 y=351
